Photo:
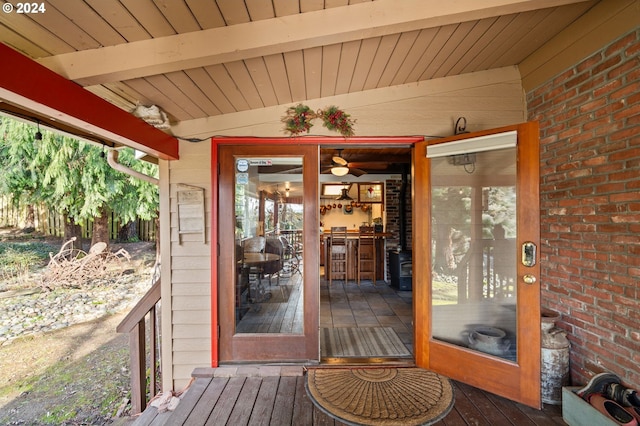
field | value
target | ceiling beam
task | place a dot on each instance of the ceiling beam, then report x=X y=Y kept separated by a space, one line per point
x=43 y=94
x=277 y=35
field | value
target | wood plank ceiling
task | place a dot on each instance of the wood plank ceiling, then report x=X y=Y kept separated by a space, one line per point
x=204 y=58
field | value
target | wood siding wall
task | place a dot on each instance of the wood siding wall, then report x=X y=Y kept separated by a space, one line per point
x=189 y=268
x=488 y=99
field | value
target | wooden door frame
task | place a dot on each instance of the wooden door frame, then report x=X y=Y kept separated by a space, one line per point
x=256 y=347
x=216 y=142
x=449 y=360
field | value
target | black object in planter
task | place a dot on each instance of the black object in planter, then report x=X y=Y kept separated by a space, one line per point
x=400 y=269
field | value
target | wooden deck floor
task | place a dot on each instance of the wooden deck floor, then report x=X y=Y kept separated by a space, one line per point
x=272 y=395
x=275 y=395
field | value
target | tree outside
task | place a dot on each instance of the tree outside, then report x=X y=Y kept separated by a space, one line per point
x=73 y=178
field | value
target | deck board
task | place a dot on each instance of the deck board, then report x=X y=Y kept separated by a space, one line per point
x=282 y=407
x=265 y=401
x=190 y=400
x=265 y=398
x=227 y=401
x=241 y=413
x=302 y=405
x=200 y=413
x=506 y=407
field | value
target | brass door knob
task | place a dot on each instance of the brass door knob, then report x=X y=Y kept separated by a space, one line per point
x=529 y=279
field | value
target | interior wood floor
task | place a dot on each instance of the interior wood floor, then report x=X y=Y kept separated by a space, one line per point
x=280 y=308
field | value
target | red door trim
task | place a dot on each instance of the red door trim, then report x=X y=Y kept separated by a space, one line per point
x=307 y=140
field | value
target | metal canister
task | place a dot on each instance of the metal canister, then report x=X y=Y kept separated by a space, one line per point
x=555 y=359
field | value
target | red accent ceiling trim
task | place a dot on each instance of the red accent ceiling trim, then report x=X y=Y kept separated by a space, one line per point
x=29 y=85
x=319 y=140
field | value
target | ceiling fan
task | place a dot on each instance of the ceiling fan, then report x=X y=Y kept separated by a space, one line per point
x=368 y=162
x=340 y=167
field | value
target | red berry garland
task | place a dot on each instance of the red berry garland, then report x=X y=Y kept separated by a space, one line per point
x=336 y=119
x=298 y=120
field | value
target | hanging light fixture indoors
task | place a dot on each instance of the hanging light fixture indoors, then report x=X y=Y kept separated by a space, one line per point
x=344 y=195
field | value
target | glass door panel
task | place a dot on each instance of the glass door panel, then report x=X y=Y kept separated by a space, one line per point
x=474 y=292
x=268 y=286
x=269 y=209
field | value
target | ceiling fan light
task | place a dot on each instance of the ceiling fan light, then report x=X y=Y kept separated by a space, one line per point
x=339 y=160
x=339 y=170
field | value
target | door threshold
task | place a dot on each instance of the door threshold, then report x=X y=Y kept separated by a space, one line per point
x=408 y=362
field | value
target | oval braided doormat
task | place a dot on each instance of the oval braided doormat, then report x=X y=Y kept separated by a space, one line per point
x=381 y=396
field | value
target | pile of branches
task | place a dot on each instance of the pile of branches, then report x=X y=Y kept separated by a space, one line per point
x=75 y=268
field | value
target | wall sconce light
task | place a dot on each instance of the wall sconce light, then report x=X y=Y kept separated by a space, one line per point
x=468 y=161
x=460 y=126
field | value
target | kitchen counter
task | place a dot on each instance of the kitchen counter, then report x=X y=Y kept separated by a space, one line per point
x=353 y=233
x=352 y=253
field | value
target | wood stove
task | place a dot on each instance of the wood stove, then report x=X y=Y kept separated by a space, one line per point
x=400 y=269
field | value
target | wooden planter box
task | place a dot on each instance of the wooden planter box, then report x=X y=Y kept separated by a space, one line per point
x=578 y=412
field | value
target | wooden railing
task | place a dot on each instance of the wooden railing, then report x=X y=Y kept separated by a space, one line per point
x=135 y=324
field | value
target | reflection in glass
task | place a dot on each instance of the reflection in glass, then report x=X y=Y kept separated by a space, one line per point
x=474 y=254
x=268 y=250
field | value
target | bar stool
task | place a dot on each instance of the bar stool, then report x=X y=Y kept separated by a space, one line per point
x=367 y=253
x=338 y=254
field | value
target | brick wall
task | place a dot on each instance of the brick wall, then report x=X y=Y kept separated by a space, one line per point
x=590 y=207
x=392 y=208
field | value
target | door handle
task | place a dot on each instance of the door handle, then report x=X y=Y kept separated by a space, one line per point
x=529 y=279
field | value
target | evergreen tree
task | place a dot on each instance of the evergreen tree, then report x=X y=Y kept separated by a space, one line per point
x=73 y=178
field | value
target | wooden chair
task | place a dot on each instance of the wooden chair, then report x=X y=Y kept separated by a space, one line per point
x=338 y=254
x=274 y=245
x=367 y=253
x=254 y=245
x=292 y=256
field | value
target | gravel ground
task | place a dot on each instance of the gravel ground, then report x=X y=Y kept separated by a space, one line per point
x=62 y=361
